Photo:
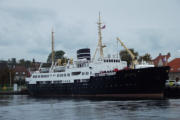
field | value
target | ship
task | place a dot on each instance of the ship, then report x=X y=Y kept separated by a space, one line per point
x=101 y=77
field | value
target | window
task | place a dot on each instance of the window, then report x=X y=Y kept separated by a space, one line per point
x=57 y=82
x=87 y=73
x=34 y=76
x=64 y=75
x=68 y=74
x=83 y=73
x=48 y=82
x=75 y=73
x=45 y=75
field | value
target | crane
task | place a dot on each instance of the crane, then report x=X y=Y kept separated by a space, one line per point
x=134 y=61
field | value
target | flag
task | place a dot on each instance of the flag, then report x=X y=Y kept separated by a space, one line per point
x=164 y=59
x=103 y=27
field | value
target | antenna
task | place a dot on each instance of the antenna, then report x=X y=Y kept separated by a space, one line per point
x=52 y=55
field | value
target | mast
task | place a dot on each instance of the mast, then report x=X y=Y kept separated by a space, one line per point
x=100 y=38
x=52 y=55
x=100 y=46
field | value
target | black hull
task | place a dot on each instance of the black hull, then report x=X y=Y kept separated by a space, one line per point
x=136 y=83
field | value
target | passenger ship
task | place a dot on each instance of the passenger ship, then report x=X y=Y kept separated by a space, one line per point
x=102 y=77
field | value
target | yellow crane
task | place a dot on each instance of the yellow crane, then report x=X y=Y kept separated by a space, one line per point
x=134 y=61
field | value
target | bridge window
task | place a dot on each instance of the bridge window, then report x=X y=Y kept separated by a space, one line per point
x=75 y=73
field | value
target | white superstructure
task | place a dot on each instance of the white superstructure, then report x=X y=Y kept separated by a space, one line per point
x=79 y=71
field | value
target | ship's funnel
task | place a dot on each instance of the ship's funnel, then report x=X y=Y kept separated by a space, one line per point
x=84 y=53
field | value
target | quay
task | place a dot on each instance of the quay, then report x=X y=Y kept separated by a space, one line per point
x=172 y=92
x=11 y=91
x=14 y=93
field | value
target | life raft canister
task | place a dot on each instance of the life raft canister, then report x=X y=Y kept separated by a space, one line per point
x=115 y=70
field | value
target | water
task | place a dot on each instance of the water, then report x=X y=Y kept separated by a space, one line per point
x=22 y=107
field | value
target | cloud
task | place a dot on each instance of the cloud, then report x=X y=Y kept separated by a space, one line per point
x=147 y=26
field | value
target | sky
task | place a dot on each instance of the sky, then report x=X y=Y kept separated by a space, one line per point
x=148 y=26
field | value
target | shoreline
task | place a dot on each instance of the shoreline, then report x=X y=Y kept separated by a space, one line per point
x=25 y=92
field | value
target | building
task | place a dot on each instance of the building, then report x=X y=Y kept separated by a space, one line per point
x=3 y=65
x=34 y=67
x=161 y=60
x=174 y=73
x=11 y=63
x=4 y=73
x=20 y=74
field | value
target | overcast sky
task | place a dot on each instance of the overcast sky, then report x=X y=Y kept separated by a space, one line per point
x=148 y=26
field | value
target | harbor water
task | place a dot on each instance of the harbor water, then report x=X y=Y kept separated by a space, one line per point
x=24 y=107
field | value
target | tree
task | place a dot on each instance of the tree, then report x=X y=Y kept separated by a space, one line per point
x=5 y=76
x=146 y=58
x=13 y=60
x=33 y=60
x=58 y=55
x=27 y=63
x=22 y=62
x=125 y=56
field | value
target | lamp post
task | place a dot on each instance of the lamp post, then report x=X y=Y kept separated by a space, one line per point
x=10 y=82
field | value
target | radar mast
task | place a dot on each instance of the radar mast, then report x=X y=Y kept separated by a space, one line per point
x=100 y=46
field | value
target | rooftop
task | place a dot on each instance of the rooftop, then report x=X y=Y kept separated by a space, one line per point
x=175 y=65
